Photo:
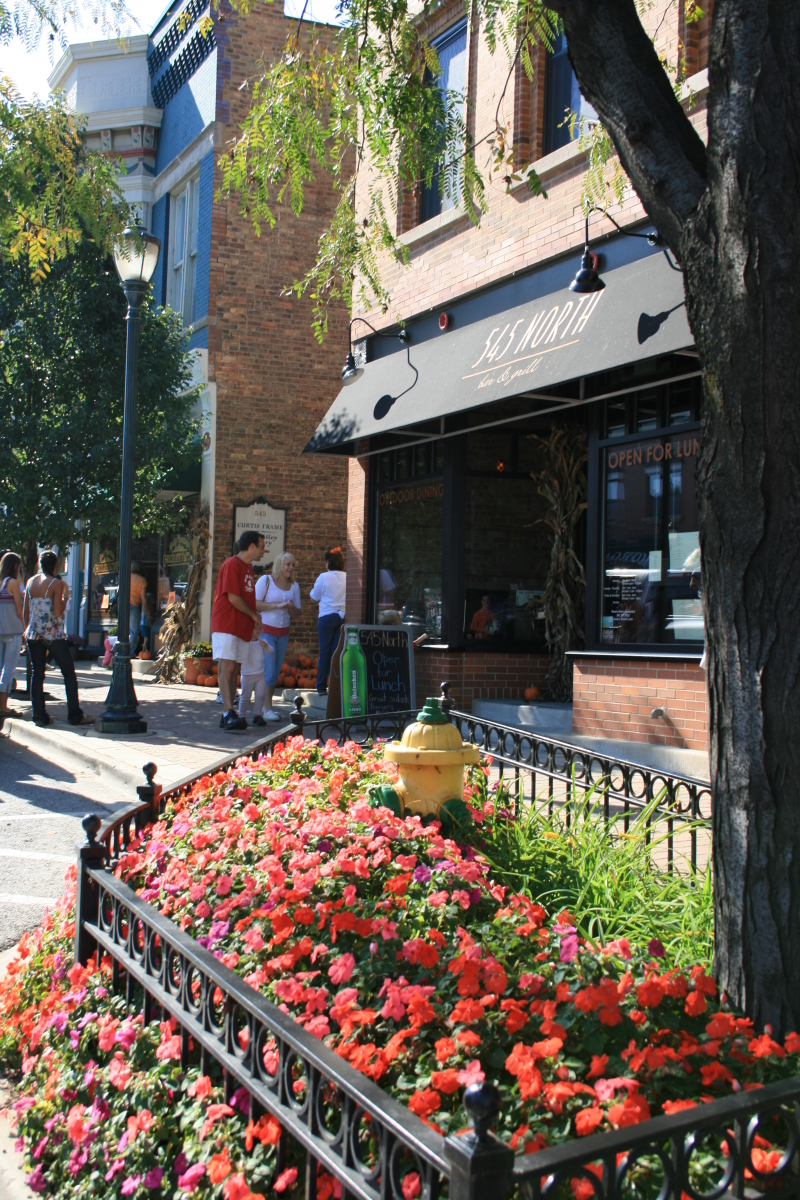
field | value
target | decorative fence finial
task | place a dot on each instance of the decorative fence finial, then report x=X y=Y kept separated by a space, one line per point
x=298 y=717
x=445 y=700
x=91 y=824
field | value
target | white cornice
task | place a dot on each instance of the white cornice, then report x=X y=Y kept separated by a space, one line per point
x=122 y=118
x=107 y=48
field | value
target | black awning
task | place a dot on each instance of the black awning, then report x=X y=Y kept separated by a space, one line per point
x=525 y=350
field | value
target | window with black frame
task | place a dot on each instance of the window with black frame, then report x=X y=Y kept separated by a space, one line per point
x=562 y=97
x=651 y=587
x=507 y=547
x=409 y=503
x=451 y=50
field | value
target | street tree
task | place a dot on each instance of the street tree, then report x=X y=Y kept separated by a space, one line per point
x=62 y=383
x=729 y=210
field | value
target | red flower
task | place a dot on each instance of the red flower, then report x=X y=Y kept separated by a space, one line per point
x=633 y=1110
x=598 y=1065
x=425 y=1103
x=446 y=1081
x=695 y=1004
x=219 y=1167
x=587 y=1120
x=445 y=1048
x=714 y=1072
x=763 y=1047
x=650 y=994
x=671 y=1107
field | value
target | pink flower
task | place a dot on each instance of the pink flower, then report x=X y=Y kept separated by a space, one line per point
x=189 y=1180
x=224 y=885
x=203 y=910
x=318 y=1026
x=341 y=969
x=153 y=1177
x=471 y=1074
x=119 y=1072
x=130 y=1185
x=36 y=1180
x=126 y=1036
x=197 y=891
x=115 y=1168
x=438 y=899
x=461 y=897
x=285 y=1179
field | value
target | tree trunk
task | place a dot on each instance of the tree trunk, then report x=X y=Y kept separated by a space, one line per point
x=733 y=218
x=742 y=267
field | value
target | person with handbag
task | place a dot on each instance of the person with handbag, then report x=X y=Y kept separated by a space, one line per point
x=45 y=604
x=10 y=624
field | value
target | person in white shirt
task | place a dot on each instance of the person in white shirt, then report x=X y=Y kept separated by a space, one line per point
x=277 y=598
x=252 y=662
x=329 y=592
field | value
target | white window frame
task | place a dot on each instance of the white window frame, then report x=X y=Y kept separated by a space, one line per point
x=183 y=236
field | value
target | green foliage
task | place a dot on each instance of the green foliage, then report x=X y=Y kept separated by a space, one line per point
x=29 y=19
x=602 y=873
x=62 y=373
x=54 y=194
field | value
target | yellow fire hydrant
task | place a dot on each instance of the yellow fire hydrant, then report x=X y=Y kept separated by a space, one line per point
x=431 y=758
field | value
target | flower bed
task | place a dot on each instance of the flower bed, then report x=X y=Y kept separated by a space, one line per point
x=394 y=944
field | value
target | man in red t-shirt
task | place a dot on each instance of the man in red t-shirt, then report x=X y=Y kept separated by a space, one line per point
x=232 y=620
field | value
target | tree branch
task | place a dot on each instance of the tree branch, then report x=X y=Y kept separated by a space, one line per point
x=620 y=74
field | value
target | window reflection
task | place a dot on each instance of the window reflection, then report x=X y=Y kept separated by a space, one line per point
x=651 y=552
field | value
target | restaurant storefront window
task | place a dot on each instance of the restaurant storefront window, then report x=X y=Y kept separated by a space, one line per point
x=410 y=508
x=507 y=550
x=651 y=590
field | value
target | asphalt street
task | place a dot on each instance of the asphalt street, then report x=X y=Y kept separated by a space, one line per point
x=41 y=806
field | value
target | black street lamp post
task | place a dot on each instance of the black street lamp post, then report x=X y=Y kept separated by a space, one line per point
x=135 y=257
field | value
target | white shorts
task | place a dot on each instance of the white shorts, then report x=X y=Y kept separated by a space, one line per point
x=227 y=645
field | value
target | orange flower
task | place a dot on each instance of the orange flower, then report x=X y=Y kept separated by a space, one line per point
x=634 y=1109
x=219 y=1167
x=598 y=1065
x=695 y=1004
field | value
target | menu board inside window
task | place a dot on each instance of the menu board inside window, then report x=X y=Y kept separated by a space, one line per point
x=652 y=588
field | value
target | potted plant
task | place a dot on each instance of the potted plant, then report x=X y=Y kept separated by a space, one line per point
x=196 y=661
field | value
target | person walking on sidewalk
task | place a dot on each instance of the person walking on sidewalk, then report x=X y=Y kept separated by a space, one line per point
x=46 y=599
x=10 y=624
x=277 y=597
x=329 y=592
x=138 y=593
x=233 y=619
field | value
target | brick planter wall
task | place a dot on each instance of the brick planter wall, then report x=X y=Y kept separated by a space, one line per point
x=613 y=698
x=478 y=676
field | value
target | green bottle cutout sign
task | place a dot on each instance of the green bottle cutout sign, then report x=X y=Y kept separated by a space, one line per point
x=354 y=677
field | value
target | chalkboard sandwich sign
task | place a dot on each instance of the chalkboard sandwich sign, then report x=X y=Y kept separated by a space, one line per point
x=377 y=670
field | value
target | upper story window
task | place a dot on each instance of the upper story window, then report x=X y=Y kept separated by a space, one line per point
x=183 y=234
x=562 y=97
x=451 y=50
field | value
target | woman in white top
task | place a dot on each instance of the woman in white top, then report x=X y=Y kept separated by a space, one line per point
x=329 y=592
x=277 y=597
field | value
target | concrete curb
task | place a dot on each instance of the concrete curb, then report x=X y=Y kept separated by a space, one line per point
x=53 y=746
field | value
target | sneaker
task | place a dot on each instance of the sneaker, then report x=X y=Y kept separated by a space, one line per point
x=271 y=715
x=259 y=720
x=219 y=700
x=233 y=722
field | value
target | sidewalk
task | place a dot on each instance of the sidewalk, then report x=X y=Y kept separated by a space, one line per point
x=183 y=734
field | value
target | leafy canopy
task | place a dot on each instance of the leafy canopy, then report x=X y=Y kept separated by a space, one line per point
x=54 y=194
x=361 y=103
x=62 y=376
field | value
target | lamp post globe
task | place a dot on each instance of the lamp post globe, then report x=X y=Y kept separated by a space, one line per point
x=136 y=258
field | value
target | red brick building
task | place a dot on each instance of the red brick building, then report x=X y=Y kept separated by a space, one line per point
x=443 y=433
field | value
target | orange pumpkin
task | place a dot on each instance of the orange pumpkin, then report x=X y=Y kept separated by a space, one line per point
x=201 y=680
x=145 y=655
x=532 y=693
x=211 y=681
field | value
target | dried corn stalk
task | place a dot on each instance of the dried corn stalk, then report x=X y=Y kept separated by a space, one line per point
x=562 y=482
x=181 y=617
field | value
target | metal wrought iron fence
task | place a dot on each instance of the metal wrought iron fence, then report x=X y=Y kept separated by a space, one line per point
x=538 y=769
x=344 y=1121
